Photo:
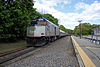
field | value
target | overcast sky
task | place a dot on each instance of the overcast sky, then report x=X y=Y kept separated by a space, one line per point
x=70 y=11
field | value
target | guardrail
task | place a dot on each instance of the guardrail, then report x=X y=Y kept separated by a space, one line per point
x=92 y=40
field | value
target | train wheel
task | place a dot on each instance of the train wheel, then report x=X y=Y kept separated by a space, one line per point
x=35 y=42
x=44 y=40
x=40 y=42
x=28 y=40
x=52 y=39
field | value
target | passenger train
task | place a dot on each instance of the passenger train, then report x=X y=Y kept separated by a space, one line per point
x=42 y=31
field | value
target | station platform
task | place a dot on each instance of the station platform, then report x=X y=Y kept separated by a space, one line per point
x=88 y=52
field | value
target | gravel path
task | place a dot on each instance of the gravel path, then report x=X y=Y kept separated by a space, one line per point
x=58 y=54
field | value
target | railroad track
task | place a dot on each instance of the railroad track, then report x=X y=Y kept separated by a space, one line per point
x=9 y=55
x=58 y=53
x=12 y=51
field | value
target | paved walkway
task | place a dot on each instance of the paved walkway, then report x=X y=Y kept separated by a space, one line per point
x=91 y=50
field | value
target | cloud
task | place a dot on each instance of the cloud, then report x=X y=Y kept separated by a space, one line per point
x=81 y=5
x=91 y=12
x=69 y=20
x=51 y=3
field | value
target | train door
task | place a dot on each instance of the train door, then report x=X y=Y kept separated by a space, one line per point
x=55 y=32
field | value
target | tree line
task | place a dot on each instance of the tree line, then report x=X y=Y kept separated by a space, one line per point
x=69 y=31
x=15 y=16
x=84 y=29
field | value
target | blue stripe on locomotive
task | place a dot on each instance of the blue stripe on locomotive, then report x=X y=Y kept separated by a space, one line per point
x=39 y=25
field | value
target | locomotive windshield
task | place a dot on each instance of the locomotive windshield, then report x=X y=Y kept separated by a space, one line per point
x=39 y=21
x=33 y=22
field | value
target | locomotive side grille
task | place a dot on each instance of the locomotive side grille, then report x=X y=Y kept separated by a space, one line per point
x=30 y=30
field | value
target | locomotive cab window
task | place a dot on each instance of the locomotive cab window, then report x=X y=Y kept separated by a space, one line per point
x=38 y=21
x=33 y=22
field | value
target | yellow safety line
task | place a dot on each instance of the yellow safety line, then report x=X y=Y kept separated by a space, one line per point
x=86 y=60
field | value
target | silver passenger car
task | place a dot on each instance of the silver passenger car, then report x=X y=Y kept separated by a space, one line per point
x=62 y=33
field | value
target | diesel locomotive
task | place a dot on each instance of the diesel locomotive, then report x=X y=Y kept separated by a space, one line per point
x=42 y=31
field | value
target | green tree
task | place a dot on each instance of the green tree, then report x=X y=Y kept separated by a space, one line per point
x=69 y=31
x=15 y=16
x=51 y=18
x=85 y=29
x=61 y=27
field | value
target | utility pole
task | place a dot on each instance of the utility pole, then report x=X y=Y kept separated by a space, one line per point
x=80 y=27
x=92 y=35
x=96 y=34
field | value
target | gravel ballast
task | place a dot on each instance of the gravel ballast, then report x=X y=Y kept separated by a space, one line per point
x=57 y=54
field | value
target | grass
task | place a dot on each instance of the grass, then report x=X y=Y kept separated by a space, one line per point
x=10 y=46
x=6 y=50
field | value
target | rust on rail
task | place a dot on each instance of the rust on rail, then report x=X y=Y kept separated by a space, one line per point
x=14 y=50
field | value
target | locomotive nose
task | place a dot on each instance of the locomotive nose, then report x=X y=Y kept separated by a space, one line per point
x=39 y=31
x=36 y=31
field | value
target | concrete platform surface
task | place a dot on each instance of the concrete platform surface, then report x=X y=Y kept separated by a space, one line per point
x=91 y=50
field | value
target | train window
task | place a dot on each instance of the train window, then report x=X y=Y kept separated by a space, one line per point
x=33 y=22
x=40 y=19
